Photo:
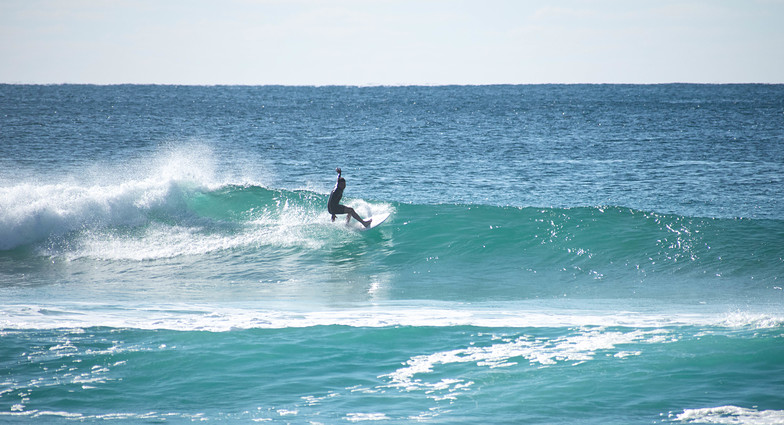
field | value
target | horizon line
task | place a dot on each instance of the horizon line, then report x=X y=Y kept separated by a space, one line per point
x=388 y=85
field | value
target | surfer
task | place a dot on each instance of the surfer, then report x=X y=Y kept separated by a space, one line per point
x=334 y=207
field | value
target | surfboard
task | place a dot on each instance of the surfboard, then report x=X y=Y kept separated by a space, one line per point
x=377 y=219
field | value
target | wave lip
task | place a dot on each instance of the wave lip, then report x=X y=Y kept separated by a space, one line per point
x=128 y=195
x=33 y=213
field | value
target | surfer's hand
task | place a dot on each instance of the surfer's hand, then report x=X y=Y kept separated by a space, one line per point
x=339 y=171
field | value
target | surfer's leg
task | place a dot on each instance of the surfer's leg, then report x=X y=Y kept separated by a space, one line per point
x=351 y=213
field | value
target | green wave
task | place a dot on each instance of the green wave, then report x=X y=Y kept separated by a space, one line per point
x=427 y=250
x=590 y=241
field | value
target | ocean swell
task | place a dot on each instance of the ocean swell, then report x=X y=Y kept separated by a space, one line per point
x=179 y=217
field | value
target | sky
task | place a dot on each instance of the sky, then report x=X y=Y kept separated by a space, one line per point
x=384 y=42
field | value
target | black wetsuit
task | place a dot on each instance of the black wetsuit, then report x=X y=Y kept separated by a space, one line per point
x=333 y=205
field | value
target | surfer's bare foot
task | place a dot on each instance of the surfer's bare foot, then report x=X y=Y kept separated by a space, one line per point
x=367 y=222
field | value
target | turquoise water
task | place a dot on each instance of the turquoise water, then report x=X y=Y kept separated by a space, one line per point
x=556 y=254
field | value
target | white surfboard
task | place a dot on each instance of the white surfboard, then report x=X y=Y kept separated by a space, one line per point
x=376 y=220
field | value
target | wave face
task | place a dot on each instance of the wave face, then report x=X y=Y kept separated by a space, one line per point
x=476 y=251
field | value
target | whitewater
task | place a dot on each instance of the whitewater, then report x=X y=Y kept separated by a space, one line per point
x=555 y=254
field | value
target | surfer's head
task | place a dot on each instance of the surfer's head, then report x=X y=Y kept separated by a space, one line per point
x=341 y=182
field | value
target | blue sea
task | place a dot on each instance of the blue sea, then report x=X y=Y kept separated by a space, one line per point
x=590 y=254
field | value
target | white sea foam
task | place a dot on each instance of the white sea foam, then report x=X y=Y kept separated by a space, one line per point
x=730 y=415
x=361 y=417
x=755 y=320
x=577 y=348
x=142 y=417
x=232 y=316
x=34 y=211
x=30 y=213
x=164 y=241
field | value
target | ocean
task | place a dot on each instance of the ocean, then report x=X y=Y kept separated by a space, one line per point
x=591 y=254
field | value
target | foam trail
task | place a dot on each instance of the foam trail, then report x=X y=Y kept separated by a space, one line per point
x=221 y=318
x=730 y=415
